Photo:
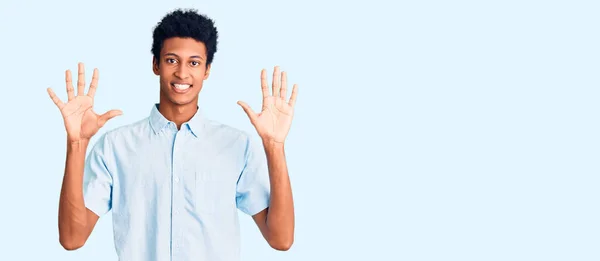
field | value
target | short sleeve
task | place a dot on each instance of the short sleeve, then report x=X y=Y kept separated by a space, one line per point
x=253 y=187
x=97 y=180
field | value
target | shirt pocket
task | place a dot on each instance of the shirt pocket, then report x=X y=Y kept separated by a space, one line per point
x=215 y=189
x=207 y=194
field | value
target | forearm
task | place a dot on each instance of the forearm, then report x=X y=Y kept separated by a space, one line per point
x=72 y=213
x=280 y=216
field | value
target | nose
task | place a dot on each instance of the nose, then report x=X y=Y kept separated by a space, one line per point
x=181 y=72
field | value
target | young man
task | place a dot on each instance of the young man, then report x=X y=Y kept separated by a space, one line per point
x=175 y=180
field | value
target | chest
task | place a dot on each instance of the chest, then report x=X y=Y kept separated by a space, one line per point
x=180 y=166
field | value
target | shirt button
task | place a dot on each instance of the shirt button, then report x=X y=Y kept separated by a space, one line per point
x=176 y=179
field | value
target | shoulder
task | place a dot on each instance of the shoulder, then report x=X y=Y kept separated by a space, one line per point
x=221 y=130
x=123 y=133
x=236 y=140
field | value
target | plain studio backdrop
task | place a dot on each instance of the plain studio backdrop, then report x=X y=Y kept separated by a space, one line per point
x=424 y=130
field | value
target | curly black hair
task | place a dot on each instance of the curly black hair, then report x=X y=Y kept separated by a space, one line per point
x=186 y=23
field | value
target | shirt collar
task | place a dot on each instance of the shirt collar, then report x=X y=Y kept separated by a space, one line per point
x=159 y=123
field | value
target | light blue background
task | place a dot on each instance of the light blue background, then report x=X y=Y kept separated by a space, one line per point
x=424 y=130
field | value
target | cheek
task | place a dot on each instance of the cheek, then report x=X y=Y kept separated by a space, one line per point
x=165 y=74
x=200 y=71
x=199 y=75
x=164 y=80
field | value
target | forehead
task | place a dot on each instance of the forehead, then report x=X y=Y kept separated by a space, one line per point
x=183 y=47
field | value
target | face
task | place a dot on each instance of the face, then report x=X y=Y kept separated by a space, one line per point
x=182 y=70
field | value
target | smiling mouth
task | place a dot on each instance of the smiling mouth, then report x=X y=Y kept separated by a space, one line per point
x=181 y=88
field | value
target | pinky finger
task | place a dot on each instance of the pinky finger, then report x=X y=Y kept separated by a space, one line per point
x=55 y=99
x=293 y=96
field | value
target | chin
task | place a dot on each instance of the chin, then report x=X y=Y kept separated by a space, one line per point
x=178 y=99
x=181 y=100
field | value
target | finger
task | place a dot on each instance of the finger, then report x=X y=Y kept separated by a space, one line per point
x=248 y=111
x=107 y=116
x=69 y=80
x=284 y=85
x=294 y=94
x=55 y=99
x=276 y=81
x=263 y=83
x=94 y=84
x=80 y=79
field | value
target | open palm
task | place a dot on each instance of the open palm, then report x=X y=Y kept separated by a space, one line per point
x=275 y=119
x=81 y=122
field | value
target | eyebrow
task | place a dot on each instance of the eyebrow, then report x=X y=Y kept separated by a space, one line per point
x=193 y=56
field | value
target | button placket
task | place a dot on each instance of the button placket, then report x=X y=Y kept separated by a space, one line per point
x=177 y=192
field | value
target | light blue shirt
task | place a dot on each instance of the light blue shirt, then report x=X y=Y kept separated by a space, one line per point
x=174 y=194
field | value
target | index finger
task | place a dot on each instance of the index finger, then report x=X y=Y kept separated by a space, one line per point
x=94 y=84
x=263 y=83
x=69 y=82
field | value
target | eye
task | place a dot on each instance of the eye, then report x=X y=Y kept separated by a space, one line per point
x=171 y=60
x=195 y=63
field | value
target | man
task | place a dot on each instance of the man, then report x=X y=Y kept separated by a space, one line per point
x=175 y=180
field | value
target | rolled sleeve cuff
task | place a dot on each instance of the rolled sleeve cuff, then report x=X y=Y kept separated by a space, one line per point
x=255 y=207
x=99 y=207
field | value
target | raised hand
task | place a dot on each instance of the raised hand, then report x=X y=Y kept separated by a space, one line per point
x=275 y=119
x=81 y=122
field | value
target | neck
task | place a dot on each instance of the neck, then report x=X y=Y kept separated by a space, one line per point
x=177 y=113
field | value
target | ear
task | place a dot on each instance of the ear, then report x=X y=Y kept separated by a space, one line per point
x=155 y=66
x=207 y=72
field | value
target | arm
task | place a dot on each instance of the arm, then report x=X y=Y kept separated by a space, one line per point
x=75 y=221
x=276 y=223
x=273 y=123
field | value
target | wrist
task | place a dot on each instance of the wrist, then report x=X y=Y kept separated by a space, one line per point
x=77 y=145
x=270 y=144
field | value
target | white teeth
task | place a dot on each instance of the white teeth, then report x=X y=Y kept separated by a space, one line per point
x=182 y=86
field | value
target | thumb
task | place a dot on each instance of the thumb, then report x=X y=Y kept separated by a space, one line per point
x=107 y=116
x=248 y=111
